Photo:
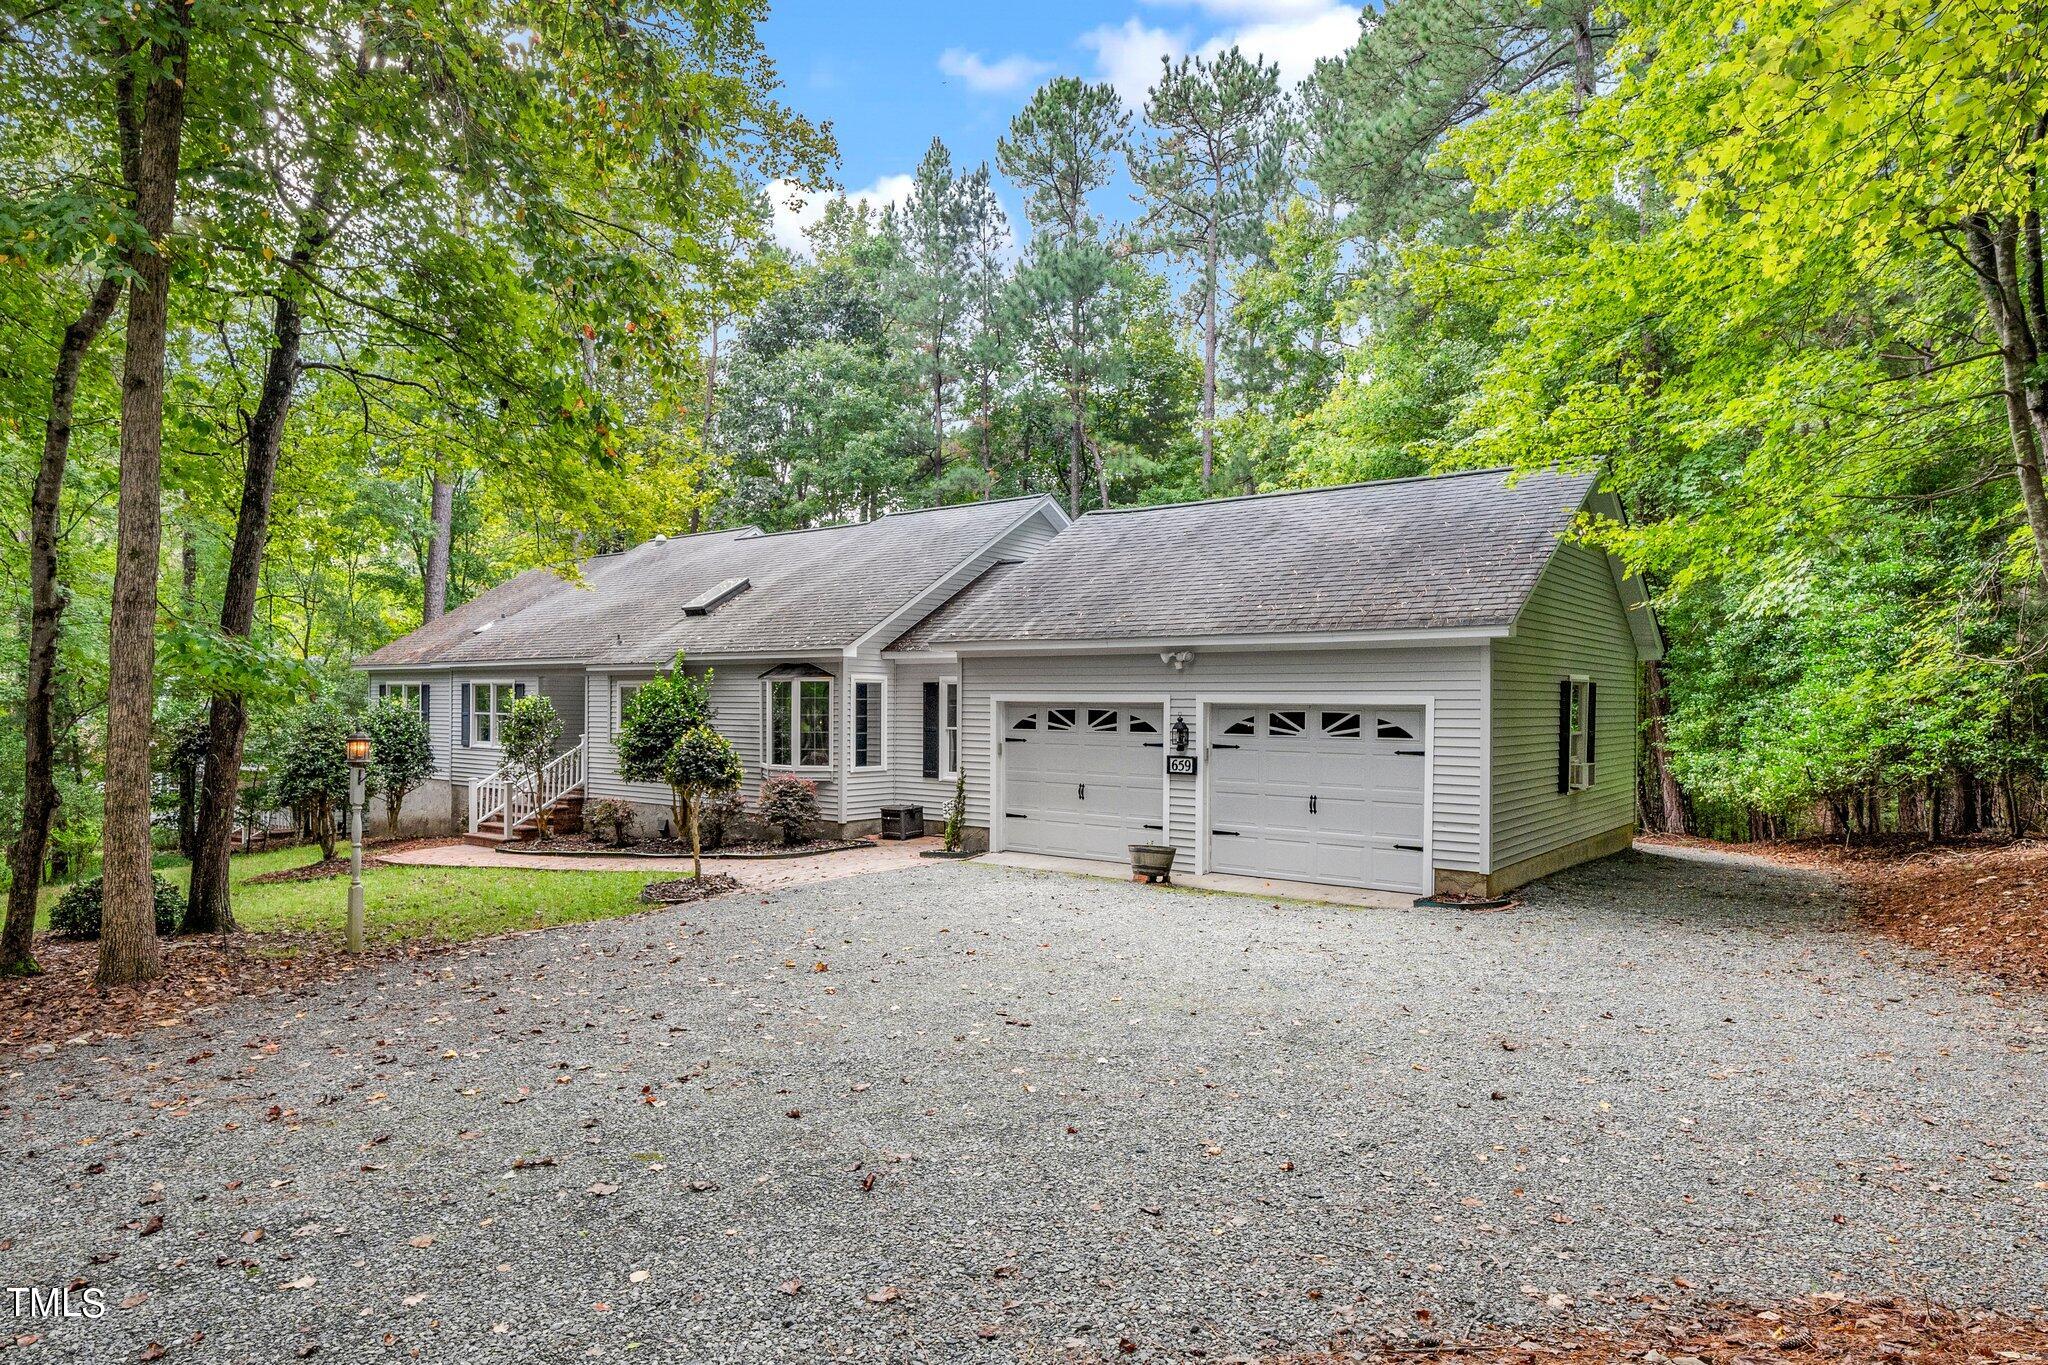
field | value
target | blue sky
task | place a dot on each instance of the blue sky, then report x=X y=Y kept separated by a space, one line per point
x=890 y=77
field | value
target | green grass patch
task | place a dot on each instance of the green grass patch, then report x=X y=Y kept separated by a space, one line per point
x=411 y=902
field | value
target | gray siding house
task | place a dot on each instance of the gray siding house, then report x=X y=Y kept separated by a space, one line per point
x=1413 y=685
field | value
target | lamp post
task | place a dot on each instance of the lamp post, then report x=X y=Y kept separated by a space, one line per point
x=358 y=796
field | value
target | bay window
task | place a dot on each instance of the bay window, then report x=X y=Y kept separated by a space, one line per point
x=799 y=723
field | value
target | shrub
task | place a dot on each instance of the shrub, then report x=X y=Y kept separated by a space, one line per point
x=665 y=709
x=612 y=821
x=789 y=803
x=720 y=819
x=401 y=753
x=77 y=912
x=312 y=771
x=956 y=814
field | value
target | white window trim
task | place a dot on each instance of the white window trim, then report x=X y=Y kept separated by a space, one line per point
x=618 y=689
x=768 y=762
x=511 y=684
x=853 y=762
x=1582 y=773
x=949 y=733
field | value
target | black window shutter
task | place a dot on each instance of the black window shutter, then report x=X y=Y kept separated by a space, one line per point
x=518 y=690
x=464 y=688
x=426 y=712
x=1592 y=715
x=1564 y=735
x=860 y=725
x=931 y=729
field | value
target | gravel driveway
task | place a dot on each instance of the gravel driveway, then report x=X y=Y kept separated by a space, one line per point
x=959 y=1112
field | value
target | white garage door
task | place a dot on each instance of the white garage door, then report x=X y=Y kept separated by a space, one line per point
x=1082 y=781
x=1318 y=794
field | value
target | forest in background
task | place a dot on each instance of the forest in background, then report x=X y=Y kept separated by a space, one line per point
x=442 y=291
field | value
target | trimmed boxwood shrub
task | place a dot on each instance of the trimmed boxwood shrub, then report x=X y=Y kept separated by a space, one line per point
x=77 y=912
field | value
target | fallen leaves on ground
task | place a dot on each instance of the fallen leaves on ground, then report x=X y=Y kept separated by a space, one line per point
x=684 y=890
x=1822 y=1327
x=62 y=1005
x=1980 y=904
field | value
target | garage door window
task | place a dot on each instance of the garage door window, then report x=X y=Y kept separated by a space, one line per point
x=1100 y=721
x=1283 y=723
x=1386 y=729
x=1060 y=718
x=1342 y=724
x=1027 y=721
x=1241 y=726
x=1141 y=726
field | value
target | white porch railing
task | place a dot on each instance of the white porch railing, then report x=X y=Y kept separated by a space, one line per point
x=509 y=794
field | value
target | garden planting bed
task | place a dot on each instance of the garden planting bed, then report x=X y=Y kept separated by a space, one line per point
x=576 y=846
x=684 y=890
x=338 y=865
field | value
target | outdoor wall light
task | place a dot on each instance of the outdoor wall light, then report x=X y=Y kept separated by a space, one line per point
x=1180 y=734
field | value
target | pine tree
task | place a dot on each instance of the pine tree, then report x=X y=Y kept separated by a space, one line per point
x=1210 y=162
x=932 y=286
x=1060 y=149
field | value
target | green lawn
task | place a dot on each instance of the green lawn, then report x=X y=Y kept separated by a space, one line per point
x=447 y=903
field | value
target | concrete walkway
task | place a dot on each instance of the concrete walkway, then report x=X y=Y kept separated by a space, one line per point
x=816 y=867
x=1317 y=892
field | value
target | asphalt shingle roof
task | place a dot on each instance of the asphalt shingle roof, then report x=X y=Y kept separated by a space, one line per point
x=815 y=590
x=1461 y=550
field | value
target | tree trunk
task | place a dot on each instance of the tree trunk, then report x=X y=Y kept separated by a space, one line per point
x=696 y=844
x=1657 y=703
x=1936 y=790
x=323 y=830
x=39 y=798
x=209 y=910
x=1211 y=251
x=442 y=513
x=1074 y=456
x=1993 y=246
x=128 y=946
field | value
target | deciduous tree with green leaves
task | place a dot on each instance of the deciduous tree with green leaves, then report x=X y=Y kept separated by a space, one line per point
x=701 y=767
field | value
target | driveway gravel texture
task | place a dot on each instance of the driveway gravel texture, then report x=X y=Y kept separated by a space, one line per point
x=965 y=1113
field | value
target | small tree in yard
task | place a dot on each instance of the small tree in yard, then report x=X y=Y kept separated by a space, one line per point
x=531 y=729
x=665 y=708
x=703 y=765
x=956 y=814
x=401 y=754
x=312 y=770
x=789 y=803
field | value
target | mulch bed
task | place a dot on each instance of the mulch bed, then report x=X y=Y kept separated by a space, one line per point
x=1822 y=1327
x=338 y=865
x=200 y=973
x=1980 y=904
x=578 y=846
x=684 y=890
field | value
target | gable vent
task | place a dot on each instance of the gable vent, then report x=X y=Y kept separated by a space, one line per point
x=716 y=596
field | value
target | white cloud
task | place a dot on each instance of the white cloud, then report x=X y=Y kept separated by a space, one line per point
x=1000 y=76
x=1293 y=41
x=792 y=218
x=1127 y=55
x=1290 y=33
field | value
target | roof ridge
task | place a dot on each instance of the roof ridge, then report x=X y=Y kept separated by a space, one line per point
x=904 y=512
x=1321 y=488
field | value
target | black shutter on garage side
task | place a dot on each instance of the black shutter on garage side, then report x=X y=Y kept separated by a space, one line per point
x=1564 y=735
x=465 y=714
x=931 y=729
x=1592 y=715
x=426 y=711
